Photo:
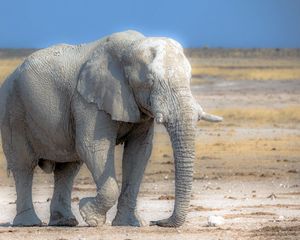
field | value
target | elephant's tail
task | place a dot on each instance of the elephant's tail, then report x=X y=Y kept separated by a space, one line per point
x=5 y=91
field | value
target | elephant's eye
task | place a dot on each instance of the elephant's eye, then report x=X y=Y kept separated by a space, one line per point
x=145 y=86
x=150 y=79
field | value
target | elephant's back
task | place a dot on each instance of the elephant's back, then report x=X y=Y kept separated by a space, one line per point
x=59 y=63
x=46 y=81
x=45 y=87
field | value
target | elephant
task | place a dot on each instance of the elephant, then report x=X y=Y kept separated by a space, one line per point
x=69 y=105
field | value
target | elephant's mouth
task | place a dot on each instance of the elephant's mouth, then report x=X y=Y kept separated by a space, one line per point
x=147 y=111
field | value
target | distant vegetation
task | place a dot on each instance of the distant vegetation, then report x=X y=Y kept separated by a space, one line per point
x=243 y=53
x=207 y=63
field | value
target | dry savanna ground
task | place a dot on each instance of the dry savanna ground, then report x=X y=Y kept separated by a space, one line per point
x=247 y=168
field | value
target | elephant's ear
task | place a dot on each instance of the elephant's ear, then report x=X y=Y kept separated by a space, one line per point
x=101 y=81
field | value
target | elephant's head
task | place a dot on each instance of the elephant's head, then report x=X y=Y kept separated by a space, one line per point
x=132 y=74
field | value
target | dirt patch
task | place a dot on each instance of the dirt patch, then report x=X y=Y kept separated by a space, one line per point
x=277 y=232
x=249 y=215
x=166 y=197
x=203 y=209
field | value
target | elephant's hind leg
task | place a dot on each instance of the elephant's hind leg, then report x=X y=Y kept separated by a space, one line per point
x=21 y=163
x=60 y=208
x=26 y=215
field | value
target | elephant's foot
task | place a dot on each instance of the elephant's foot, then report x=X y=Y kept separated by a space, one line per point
x=59 y=219
x=168 y=222
x=91 y=212
x=27 y=218
x=127 y=218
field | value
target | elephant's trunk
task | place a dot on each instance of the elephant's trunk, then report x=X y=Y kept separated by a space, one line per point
x=182 y=136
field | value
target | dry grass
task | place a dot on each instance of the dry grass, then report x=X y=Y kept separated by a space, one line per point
x=247 y=73
x=263 y=147
x=231 y=154
x=259 y=116
x=7 y=66
x=247 y=68
x=262 y=62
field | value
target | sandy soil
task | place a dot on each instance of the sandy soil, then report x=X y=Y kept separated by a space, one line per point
x=247 y=169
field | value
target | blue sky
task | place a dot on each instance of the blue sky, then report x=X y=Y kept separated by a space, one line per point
x=212 y=23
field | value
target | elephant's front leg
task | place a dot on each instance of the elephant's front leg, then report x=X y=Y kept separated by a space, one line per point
x=95 y=143
x=137 y=151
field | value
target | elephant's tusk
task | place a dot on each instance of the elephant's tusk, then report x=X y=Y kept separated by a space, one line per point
x=210 y=117
x=159 y=118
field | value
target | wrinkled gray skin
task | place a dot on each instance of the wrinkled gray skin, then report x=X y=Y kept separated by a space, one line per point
x=67 y=105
